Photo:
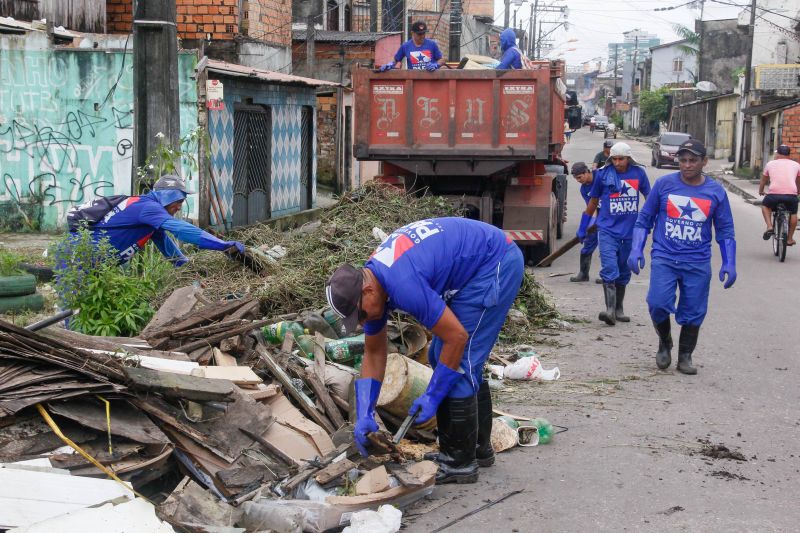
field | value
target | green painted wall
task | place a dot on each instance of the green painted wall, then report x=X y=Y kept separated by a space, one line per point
x=66 y=124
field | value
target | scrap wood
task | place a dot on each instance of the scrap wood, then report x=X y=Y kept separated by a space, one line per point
x=373 y=482
x=224 y=335
x=177 y=305
x=125 y=421
x=406 y=478
x=223 y=359
x=203 y=331
x=206 y=314
x=240 y=375
x=309 y=470
x=193 y=507
x=334 y=470
x=304 y=401
x=331 y=409
x=270 y=448
x=173 y=385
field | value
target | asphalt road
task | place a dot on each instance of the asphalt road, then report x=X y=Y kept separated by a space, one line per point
x=633 y=457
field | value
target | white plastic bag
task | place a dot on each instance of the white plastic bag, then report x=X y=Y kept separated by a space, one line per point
x=387 y=519
x=530 y=368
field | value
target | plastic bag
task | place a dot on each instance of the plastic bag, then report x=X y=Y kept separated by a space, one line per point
x=387 y=519
x=530 y=368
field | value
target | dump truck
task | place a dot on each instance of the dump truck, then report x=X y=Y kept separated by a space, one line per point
x=490 y=140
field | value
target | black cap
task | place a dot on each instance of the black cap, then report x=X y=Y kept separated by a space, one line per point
x=694 y=146
x=343 y=291
x=579 y=168
x=783 y=150
x=608 y=143
x=419 y=27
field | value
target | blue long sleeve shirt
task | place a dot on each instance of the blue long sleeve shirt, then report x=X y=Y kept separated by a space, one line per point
x=618 y=209
x=683 y=215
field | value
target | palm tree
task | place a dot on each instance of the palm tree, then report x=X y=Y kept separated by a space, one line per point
x=692 y=45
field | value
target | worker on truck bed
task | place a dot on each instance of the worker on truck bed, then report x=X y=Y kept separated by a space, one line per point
x=512 y=56
x=458 y=277
x=420 y=53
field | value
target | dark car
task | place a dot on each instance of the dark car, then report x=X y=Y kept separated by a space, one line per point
x=665 y=149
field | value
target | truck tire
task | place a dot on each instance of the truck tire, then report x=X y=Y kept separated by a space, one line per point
x=43 y=273
x=18 y=285
x=27 y=302
x=560 y=183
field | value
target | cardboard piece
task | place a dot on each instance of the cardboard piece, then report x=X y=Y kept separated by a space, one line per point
x=374 y=481
x=294 y=434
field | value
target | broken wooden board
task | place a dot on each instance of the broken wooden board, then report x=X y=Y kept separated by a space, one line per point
x=125 y=420
x=334 y=471
x=213 y=339
x=288 y=415
x=223 y=359
x=206 y=314
x=179 y=304
x=373 y=482
x=178 y=386
x=262 y=391
x=406 y=478
x=425 y=471
x=240 y=375
x=190 y=503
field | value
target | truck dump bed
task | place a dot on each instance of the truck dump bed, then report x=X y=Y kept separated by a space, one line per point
x=512 y=115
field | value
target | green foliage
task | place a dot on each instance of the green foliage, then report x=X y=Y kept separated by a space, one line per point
x=166 y=159
x=616 y=119
x=9 y=263
x=654 y=105
x=692 y=45
x=113 y=300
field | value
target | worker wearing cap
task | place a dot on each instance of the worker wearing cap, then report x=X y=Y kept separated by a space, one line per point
x=783 y=175
x=615 y=189
x=420 y=53
x=601 y=158
x=585 y=177
x=682 y=207
x=458 y=277
x=139 y=219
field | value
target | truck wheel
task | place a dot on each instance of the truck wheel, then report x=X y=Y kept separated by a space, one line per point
x=561 y=196
x=19 y=285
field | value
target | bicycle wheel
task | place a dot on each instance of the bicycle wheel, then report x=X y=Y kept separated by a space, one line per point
x=784 y=225
x=775 y=224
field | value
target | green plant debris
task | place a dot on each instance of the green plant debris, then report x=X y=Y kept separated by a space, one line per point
x=9 y=263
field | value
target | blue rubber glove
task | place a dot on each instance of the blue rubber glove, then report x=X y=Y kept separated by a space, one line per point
x=583 y=227
x=367 y=392
x=728 y=250
x=387 y=66
x=441 y=382
x=239 y=246
x=168 y=248
x=636 y=258
x=432 y=66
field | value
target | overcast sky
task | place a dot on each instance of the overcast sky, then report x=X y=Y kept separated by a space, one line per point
x=595 y=23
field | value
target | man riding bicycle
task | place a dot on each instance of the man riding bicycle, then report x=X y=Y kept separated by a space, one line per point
x=783 y=175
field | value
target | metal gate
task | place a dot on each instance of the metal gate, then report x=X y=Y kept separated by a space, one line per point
x=306 y=156
x=252 y=164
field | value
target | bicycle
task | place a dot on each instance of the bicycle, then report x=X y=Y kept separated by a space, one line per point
x=780 y=233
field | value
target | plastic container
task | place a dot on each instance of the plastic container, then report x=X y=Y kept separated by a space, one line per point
x=275 y=333
x=545 y=430
x=405 y=380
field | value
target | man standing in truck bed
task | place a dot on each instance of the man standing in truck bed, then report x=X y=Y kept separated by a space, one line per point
x=420 y=53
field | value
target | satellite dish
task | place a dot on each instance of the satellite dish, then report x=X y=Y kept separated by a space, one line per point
x=706 y=86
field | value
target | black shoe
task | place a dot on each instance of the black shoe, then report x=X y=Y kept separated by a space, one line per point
x=619 y=313
x=609 y=316
x=599 y=281
x=768 y=234
x=664 y=354
x=484 y=453
x=686 y=345
x=458 y=440
x=585 y=263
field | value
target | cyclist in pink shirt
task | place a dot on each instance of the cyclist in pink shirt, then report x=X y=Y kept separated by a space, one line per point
x=783 y=175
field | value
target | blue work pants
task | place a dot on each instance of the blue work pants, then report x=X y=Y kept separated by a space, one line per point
x=614 y=254
x=481 y=307
x=691 y=279
x=589 y=244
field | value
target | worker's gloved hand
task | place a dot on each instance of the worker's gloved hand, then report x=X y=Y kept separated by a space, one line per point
x=180 y=261
x=728 y=250
x=583 y=227
x=367 y=392
x=387 y=66
x=432 y=66
x=441 y=382
x=235 y=244
x=636 y=258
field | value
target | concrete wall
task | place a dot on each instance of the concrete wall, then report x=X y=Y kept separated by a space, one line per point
x=66 y=126
x=725 y=126
x=662 y=71
x=724 y=51
x=774 y=36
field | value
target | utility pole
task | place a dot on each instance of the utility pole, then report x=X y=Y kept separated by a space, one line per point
x=455 y=30
x=506 y=13
x=532 y=30
x=538 y=51
x=633 y=70
x=155 y=80
x=616 y=55
x=311 y=36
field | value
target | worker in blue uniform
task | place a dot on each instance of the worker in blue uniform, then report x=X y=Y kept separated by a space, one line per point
x=615 y=195
x=682 y=207
x=512 y=55
x=585 y=177
x=459 y=278
x=129 y=225
x=420 y=53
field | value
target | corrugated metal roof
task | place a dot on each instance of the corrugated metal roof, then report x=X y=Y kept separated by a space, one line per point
x=232 y=69
x=771 y=106
x=352 y=37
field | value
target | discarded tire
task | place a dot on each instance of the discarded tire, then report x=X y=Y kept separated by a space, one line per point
x=43 y=273
x=27 y=302
x=19 y=285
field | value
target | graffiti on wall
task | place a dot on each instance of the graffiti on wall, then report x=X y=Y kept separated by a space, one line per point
x=66 y=128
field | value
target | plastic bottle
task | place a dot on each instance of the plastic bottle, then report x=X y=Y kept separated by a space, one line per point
x=275 y=333
x=347 y=351
x=334 y=320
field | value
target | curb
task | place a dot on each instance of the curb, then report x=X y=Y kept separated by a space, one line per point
x=735 y=189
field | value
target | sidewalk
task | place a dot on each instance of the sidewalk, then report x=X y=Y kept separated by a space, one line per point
x=719 y=169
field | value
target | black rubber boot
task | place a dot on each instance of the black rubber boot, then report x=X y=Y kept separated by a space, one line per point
x=599 y=281
x=686 y=345
x=484 y=453
x=664 y=354
x=618 y=311
x=585 y=263
x=609 y=316
x=458 y=440
x=442 y=421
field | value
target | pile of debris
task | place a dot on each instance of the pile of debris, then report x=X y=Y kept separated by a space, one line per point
x=204 y=416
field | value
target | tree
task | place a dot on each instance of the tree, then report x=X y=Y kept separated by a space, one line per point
x=654 y=105
x=692 y=45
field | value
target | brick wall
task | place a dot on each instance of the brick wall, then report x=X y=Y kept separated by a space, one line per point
x=791 y=131
x=264 y=20
x=438 y=27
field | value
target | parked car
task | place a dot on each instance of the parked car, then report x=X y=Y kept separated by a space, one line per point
x=600 y=122
x=665 y=149
x=587 y=119
x=610 y=131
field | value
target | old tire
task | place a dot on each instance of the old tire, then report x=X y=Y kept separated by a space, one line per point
x=43 y=273
x=27 y=302
x=18 y=285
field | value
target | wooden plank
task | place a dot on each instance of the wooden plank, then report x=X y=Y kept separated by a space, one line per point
x=250 y=310
x=224 y=335
x=171 y=385
x=223 y=359
x=179 y=304
x=204 y=331
x=331 y=409
x=334 y=470
x=125 y=420
x=305 y=402
x=270 y=448
x=262 y=392
x=206 y=314
x=241 y=375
